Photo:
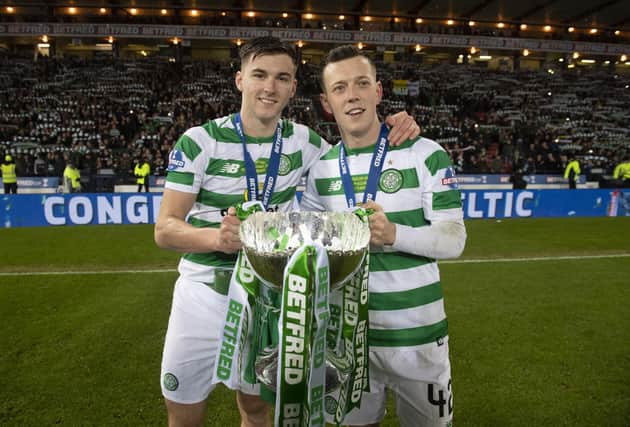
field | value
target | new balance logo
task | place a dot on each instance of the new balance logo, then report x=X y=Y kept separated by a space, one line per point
x=334 y=186
x=230 y=168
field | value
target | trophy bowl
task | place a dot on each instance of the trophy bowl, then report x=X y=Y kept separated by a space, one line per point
x=270 y=238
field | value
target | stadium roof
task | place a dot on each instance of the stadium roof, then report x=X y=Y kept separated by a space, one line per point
x=614 y=14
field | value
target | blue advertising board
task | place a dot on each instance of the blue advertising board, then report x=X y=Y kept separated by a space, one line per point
x=28 y=210
x=544 y=203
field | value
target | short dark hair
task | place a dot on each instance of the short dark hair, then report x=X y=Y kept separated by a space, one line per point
x=261 y=46
x=341 y=53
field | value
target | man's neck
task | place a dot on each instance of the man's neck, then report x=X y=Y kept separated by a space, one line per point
x=257 y=128
x=370 y=137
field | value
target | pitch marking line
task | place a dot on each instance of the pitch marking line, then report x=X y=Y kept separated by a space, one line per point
x=532 y=259
x=454 y=261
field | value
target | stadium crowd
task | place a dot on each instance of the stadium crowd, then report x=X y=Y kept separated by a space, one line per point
x=107 y=114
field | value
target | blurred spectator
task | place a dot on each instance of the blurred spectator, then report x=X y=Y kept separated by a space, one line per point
x=142 y=171
x=517 y=179
x=9 y=178
x=59 y=164
x=621 y=173
x=39 y=167
x=71 y=178
x=572 y=172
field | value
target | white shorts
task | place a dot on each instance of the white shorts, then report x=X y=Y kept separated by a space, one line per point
x=420 y=381
x=191 y=343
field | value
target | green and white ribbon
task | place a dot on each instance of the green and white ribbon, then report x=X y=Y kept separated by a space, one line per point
x=317 y=388
x=352 y=354
x=361 y=372
x=233 y=347
x=301 y=376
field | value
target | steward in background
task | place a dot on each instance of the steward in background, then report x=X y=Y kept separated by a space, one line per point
x=621 y=174
x=71 y=178
x=142 y=170
x=9 y=178
x=572 y=172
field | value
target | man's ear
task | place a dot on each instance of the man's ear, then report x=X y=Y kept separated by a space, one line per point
x=293 y=88
x=239 y=81
x=325 y=104
x=379 y=92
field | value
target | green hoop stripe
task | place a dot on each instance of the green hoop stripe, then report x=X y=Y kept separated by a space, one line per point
x=390 y=261
x=406 y=299
x=222 y=134
x=333 y=187
x=188 y=146
x=332 y=154
x=450 y=199
x=224 y=201
x=217 y=200
x=437 y=160
x=184 y=178
x=212 y=259
x=236 y=168
x=314 y=138
x=408 y=337
x=411 y=218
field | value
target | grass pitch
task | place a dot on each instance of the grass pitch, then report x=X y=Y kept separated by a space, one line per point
x=538 y=342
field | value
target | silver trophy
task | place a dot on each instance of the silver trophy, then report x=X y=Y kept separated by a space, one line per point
x=270 y=238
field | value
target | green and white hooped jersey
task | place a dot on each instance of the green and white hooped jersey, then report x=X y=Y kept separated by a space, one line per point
x=208 y=161
x=417 y=185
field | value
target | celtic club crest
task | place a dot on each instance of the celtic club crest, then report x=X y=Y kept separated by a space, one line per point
x=285 y=165
x=170 y=382
x=391 y=181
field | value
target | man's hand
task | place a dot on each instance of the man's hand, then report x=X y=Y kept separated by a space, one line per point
x=228 y=239
x=402 y=127
x=382 y=232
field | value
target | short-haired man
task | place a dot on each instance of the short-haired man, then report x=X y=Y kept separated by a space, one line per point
x=417 y=219
x=210 y=170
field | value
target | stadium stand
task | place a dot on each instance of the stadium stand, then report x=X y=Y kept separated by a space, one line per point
x=105 y=113
x=105 y=108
